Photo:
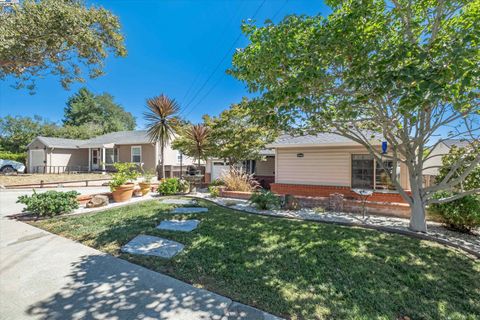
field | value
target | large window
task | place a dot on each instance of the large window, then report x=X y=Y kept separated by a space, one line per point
x=366 y=174
x=111 y=155
x=137 y=154
x=362 y=171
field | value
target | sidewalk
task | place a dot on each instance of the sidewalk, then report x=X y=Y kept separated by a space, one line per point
x=45 y=276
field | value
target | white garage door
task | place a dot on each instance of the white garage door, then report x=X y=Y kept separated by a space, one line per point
x=218 y=169
x=37 y=158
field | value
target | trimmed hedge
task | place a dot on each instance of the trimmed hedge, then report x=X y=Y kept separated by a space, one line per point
x=20 y=157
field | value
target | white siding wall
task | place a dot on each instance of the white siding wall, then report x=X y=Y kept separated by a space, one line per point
x=436 y=161
x=328 y=166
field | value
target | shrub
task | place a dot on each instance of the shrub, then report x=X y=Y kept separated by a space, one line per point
x=7 y=155
x=238 y=180
x=183 y=186
x=126 y=172
x=217 y=182
x=265 y=200
x=50 y=203
x=462 y=214
x=169 y=186
x=214 y=191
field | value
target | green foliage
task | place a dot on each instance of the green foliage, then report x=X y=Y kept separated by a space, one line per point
x=148 y=175
x=125 y=172
x=217 y=182
x=214 y=191
x=183 y=186
x=20 y=157
x=194 y=141
x=461 y=214
x=265 y=200
x=17 y=132
x=169 y=186
x=405 y=70
x=450 y=160
x=234 y=136
x=59 y=37
x=50 y=203
x=86 y=108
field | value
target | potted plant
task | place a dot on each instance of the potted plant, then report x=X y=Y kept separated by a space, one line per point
x=122 y=181
x=146 y=184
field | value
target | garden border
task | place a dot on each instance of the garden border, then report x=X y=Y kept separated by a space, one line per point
x=411 y=234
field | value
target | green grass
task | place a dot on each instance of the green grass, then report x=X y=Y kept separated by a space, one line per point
x=298 y=270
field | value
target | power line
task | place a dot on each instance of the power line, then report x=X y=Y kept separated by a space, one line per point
x=220 y=63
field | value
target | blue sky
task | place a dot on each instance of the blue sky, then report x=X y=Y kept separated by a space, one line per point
x=173 y=48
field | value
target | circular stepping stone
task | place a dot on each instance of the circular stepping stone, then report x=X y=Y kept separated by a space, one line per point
x=183 y=202
x=179 y=225
x=153 y=246
x=189 y=210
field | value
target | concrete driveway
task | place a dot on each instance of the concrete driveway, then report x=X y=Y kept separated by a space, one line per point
x=44 y=276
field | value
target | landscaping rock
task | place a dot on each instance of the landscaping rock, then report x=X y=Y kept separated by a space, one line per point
x=179 y=225
x=153 y=246
x=97 y=201
x=182 y=202
x=189 y=210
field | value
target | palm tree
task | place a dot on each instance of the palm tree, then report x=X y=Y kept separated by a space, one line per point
x=198 y=135
x=162 y=120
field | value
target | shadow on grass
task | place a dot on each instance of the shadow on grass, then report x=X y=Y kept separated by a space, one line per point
x=306 y=270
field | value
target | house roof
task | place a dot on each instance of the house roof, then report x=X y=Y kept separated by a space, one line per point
x=456 y=142
x=321 y=139
x=120 y=137
x=58 y=142
x=106 y=140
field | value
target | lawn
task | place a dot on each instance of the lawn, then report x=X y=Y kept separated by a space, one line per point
x=36 y=178
x=295 y=269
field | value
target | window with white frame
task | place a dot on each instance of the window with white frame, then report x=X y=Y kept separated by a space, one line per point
x=111 y=155
x=179 y=157
x=369 y=174
x=137 y=154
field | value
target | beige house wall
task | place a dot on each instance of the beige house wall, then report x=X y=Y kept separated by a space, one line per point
x=328 y=166
x=265 y=168
x=67 y=157
x=148 y=154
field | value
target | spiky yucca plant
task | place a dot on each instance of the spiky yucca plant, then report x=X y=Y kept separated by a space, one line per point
x=198 y=135
x=162 y=119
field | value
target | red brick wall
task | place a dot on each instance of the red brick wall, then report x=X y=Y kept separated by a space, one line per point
x=325 y=191
x=207 y=178
x=235 y=194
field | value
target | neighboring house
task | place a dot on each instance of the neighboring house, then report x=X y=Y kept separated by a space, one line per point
x=263 y=169
x=323 y=164
x=434 y=159
x=56 y=155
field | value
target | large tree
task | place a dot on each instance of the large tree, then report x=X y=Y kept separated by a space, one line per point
x=162 y=122
x=85 y=108
x=17 y=132
x=234 y=136
x=61 y=37
x=408 y=70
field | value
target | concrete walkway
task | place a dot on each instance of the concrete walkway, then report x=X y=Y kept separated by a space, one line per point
x=45 y=276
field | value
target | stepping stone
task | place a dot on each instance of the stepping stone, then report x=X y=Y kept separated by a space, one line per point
x=153 y=246
x=183 y=202
x=189 y=210
x=179 y=225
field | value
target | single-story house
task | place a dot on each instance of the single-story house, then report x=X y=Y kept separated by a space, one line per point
x=263 y=169
x=323 y=164
x=56 y=155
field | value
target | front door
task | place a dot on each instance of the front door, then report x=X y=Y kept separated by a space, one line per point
x=95 y=159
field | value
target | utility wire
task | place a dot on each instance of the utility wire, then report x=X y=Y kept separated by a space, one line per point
x=220 y=63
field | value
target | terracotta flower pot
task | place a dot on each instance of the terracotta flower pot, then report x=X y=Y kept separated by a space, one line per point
x=123 y=193
x=145 y=187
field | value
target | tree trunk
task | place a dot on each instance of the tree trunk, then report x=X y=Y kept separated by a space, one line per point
x=162 y=164
x=418 y=220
